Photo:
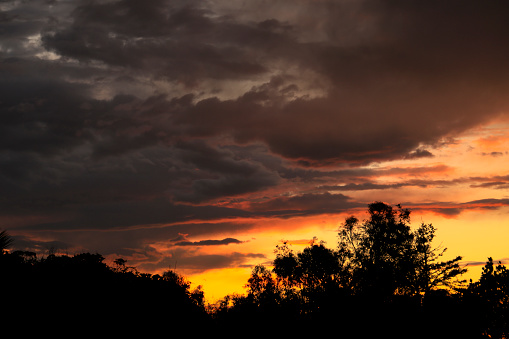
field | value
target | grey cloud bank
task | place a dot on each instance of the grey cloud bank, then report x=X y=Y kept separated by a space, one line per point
x=125 y=114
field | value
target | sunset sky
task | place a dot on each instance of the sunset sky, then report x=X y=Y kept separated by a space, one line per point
x=196 y=135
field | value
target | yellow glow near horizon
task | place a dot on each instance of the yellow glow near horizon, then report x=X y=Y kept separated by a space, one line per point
x=221 y=282
x=475 y=234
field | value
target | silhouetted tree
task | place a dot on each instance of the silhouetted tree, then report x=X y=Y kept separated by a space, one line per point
x=285 y=264
x=266 y=301
x=262 y=287
x=120 y=266
x=385 y=258
x=378 y=251
x=430 y=273
x=383 y=280
x=312 y=277
x=198 y=296
x=489 y=300
x=176 y=279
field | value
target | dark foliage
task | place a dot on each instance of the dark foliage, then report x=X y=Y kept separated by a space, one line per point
x=383 y=280
x=489 y=300
x=80 y=295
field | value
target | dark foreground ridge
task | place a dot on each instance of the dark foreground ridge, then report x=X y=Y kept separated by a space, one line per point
x=382 y=280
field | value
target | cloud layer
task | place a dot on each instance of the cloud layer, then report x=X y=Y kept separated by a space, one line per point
x=140 y=115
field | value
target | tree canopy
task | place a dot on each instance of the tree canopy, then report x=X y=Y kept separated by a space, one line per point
x=81 y=295
x=385 y=257
x=383 y=278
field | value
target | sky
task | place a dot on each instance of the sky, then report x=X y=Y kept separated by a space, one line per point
x=197 y=135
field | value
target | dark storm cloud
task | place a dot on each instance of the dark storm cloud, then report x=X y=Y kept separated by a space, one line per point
x=46 y=115
x=212 y=261
x=123 y=114
x=133 y=243
x=395 y=87
x=196 y=263
x=19 y=23
x=497 y=182
x=175 y=39
x=125 y=214
x=401 y=85
x=226 y=174
x=304 y=204
x=25 y=244
x=39 y=113
x=225 y=241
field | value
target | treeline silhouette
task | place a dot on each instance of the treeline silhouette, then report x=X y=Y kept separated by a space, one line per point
x=80 y=296
x=383 y=279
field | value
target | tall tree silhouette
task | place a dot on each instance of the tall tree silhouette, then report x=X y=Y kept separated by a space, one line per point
x=384 y=257
x=430 y=272
x=379 y=251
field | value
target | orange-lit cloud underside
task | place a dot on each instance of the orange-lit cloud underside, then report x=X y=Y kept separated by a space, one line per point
x=468 y=207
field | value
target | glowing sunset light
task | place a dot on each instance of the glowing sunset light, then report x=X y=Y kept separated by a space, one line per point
x=197 y=135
